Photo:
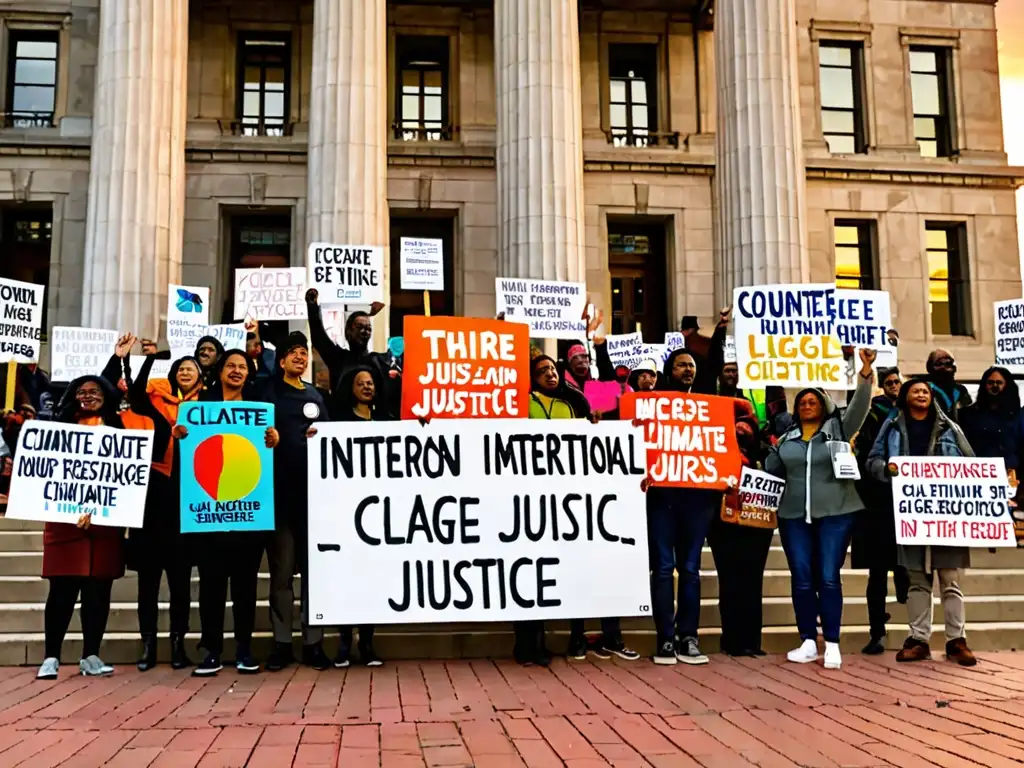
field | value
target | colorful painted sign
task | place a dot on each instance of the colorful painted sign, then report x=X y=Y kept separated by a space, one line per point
x=755 y=501
x=188 y=314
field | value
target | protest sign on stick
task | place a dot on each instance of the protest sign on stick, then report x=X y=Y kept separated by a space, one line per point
x=270 y=294
x=21 y=325
x=227 y=471
x=1009 y=321
x=624 y=348
x=552 y=309
x=422 y=264
x=691 y=439
x=78 y=352
x=346 y=274
x=755 y=502
x=465 y=367
x=64 y=471
x=479 y=520
x=951 y=502
x=188 y=314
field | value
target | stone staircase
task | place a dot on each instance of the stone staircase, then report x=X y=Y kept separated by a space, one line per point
x=994 y=588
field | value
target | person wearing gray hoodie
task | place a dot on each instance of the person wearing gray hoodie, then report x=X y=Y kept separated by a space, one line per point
x=816 y=512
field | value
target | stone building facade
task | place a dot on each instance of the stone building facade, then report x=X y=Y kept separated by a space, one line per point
x=155 y=141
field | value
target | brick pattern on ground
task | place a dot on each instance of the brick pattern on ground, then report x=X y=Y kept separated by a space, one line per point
x=494 y=714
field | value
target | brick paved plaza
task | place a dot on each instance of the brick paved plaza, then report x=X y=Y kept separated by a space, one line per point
x=496 y=714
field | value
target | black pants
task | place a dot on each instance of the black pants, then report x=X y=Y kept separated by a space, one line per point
x=878 y=591
x=179 y=577
x=365 y=638
x=529 y=638
x=741 y=553
x=60 y=607
x=611 y=630
x=223 y=557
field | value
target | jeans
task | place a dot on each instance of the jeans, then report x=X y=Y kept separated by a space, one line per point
x=678 y=520
x=60 y=606
x=816 y=551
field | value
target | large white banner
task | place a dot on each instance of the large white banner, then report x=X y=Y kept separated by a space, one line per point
x=952 y=502
x=78 y=352
x=476 y=520
x=21 y=325
x=64 y=471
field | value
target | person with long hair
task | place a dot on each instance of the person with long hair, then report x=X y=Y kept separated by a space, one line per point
x=921 y=427
x=228 y=556
x=83 y=559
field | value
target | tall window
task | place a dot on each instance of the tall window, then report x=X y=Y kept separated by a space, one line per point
x=633 y=89
x=948 y=278
x=264 y=67
x=930 y=86
x=31 y=78
x=855 y=254
x=421 y=112
x=842 y=102
x=25 y=239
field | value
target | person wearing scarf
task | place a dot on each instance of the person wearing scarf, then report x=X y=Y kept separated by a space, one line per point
x=82 y=559
x=950 y=396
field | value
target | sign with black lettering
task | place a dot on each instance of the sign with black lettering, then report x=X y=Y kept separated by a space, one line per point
x=553 y=309
x=1009 y=320
x=78 y=352
x=476 y=520
x=346 y=274
x=21 y=306
x=64 y=471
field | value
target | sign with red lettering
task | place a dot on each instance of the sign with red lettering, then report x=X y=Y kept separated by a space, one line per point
x=465 y=367
x=755 y=501
x=691 y=439
x=952 y=502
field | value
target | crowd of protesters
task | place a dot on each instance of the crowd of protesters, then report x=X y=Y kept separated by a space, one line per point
x=818 y=516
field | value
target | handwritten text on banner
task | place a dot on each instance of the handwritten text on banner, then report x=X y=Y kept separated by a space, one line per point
x=78 y=352
x=270 y=294
x=21 y=324
x=1009 y=320
x=422 y=264
x=346 y=274
x=553 y=310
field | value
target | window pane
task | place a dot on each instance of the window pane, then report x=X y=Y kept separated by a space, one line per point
x=32 y=72
x=618 y=91
x=252 y=77
x=924 y=127
x=848 y=282
x=938 y=266
x=432 y=108
x=36 y=49
x=275 y=78
x=273 y=104
x=846 y=235
x=841 y=145
x=833 y=121
x=848 y=262
x=410 y=108
x=616 y=294
x=837 y=88
x=639 y=116
x=925 y=90
x=250 y=103
x=33 y=98
x=639 y=92
x=835 y=55
x=923 y=61
x=937 y=239
x=940 y=317
x=618 y=115
x=928 y=148
x=432 y=80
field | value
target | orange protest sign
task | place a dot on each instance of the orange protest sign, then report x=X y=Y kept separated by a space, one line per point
x=691 y=439
x=465 y=367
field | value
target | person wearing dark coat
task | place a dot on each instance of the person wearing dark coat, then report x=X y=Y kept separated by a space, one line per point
x=950 y=396
x=874 y=528
x=208 y=352
x=993 y=425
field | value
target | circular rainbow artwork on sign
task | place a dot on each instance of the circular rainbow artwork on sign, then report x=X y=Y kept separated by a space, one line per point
x=227 y=467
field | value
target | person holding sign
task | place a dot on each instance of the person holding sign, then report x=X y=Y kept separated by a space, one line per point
x=232 y=555
x=817 y=509
x=922 y=428
x=83 y=559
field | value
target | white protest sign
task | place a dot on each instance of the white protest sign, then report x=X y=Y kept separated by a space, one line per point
x=64 y=471
x=232 y=336
x=476 y=520
x=785 y=336
x=624 y=347
x=78 y=352
x=270 y=294
x=951 y=502
x=422 y=264
x=674 y=340
x=755 y=502
x=188 y=314
x=553 y=310
x=862 y=318
x=1009 y=320
x=20 y=327
x=729 y=350
x=346 y=274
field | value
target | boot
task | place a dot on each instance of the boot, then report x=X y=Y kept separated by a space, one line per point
x=148 y=659
x=179 y=658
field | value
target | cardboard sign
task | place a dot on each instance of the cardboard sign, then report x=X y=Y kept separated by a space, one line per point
x=346 y=274
x=755 y=501
x=422 y=264
x=465 y=367
x=951 y=502
x=1009 y=320
x=188 y=314
x=552 y=309
x=691 y=439
x=270 y=294
x=785 y=336
x=227 y=471
x=78 y=352
x=20 y=327
x=603 y=396
x=674 y=340
x=476 y=520
x=64 y=471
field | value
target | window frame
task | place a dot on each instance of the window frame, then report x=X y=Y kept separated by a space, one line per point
x=958 y=287
x=857 y=82
x=867 y=251
x=630 y=138
x=406 y=51
x=945 y=121
x=15 y=23
x=240 y=125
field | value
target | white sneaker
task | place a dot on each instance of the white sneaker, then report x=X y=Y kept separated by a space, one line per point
x=48 y=670
x=805 y=654
x=833 y=658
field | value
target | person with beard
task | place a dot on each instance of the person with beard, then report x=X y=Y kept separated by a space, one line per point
x=817 y=510
x=921 y=428
x=228 y=555
x=874 y=529
x=950 y=396
x=209 y=351
x=81 y=559
x=993 y=425
x=297 y=407
x=358 y=332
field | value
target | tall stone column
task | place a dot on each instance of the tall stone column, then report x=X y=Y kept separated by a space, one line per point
x=348 y=164
x=135 y=220
x=759 y=176
x=539 y=154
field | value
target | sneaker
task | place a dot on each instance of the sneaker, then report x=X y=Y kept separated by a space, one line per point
x=48 y=669
x=666 y=654
x=343 y=658
x=621 y=650
x=314 y=656
x=688 y=652
x=577 y=650
x=875 y=647
x=209 y=666
x=914 y=650
x=833 y=657
x=245 y=663
x=93 y=666
x=805 y=654
x=597 y=650
x=369 y=656
x=957 y=650
x=280 y=657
